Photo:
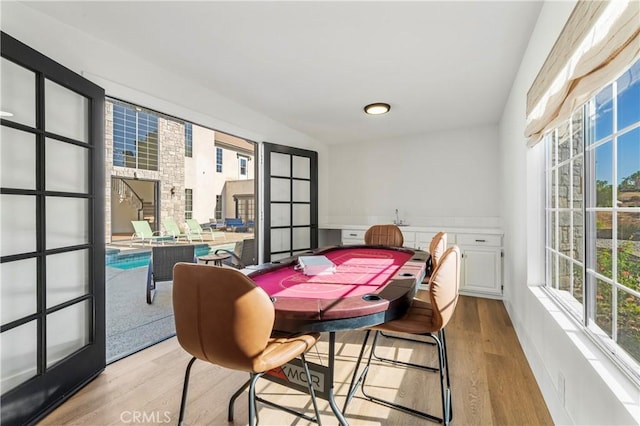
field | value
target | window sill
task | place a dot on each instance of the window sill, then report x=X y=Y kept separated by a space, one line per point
x=582 y=387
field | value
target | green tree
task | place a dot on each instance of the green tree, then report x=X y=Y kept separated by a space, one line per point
x=630 y=183
x=628 y=305
x=604 y=193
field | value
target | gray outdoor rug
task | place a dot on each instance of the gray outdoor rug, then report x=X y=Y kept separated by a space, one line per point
x=133 y=325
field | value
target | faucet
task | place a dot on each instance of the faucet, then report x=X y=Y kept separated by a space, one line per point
x=397 y=222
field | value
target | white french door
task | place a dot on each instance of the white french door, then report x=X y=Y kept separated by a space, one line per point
x=52 y=333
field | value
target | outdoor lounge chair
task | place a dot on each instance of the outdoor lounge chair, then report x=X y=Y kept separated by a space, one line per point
x=172 y=228
x=243 y=254
x=144 y=234
x=235 y=224
x=196 y=231
x=161 y=264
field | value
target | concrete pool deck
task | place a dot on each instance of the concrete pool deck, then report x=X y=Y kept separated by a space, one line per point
x=132 y=324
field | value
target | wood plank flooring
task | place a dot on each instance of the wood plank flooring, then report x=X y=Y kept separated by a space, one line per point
x=492 y=383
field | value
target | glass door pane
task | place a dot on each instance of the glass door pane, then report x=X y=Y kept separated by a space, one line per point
x=66 y=112
x=17 y=159
x=19 y=355
x=18 y=100
x=51 y=218
x=67 y=331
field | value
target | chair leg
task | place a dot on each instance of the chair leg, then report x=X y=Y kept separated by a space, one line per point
x=233 y=399
x=151 y=286
x=252 y=398
x=408 y=339
x=183 y=401
x=311 y=391
x=446 y=366
x=393 y=361
x=443 y=392
x=354 y=385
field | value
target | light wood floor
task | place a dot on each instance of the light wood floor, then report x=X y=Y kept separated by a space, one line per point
x=492 y=383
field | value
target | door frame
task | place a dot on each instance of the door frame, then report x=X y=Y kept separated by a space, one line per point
x=51 y=386
x=268 y=148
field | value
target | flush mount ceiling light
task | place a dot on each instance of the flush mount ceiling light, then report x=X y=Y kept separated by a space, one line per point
x=377 y=108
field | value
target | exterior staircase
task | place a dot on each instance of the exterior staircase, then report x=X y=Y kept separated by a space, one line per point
x=126 y=194
x=148 y=212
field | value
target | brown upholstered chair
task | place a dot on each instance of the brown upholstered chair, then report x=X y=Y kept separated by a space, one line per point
x=222 y=317
x=437 y=247
x=384 y=235
x=425 y=317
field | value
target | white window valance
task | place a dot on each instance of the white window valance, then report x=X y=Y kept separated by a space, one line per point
x=598 y=42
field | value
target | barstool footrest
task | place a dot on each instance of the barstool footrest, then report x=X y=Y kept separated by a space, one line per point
x=287 y=409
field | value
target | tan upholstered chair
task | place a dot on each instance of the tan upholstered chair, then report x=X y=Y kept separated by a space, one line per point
x=437 y=248
x=384 y=235
x=222 y=317
x=424 y=318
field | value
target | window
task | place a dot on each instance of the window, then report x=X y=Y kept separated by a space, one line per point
x=245 y=207
x=218 y=160
x=188 y=140
x=188 y=203
x=218 y=207
x=593 y=215
x=135 y=137
x=242 y=164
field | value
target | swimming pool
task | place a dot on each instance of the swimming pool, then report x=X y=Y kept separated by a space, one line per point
x=136 y=259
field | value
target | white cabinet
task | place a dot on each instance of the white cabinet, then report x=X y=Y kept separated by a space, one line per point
x=423 y=240
x=481 y=272
x=356 y=236
x=352 y=236
x=409 y=238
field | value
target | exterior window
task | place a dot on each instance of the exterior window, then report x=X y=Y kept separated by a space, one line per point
x=218 y=207
x=188 y=140
x=593 y=215
x=188 y=203
x=242 y=163
x=218 y=160
x=135 y=137
x=245 y=208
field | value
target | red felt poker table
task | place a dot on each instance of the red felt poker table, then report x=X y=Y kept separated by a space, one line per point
x=371 y=285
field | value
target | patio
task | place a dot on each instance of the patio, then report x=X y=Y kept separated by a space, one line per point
x=132 y=324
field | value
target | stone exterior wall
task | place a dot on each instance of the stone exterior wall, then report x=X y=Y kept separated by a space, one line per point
x=170 y=173
x=570 y=191
x=171 y=169
x=174 y=171
x=108 y=166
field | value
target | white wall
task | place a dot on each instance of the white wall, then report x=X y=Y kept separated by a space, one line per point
x=432 y=179
x=200 y=174
x=595 y=392
x=127 y=77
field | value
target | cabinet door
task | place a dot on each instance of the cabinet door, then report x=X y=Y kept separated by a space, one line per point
x=352 y=236
x=481 y=271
